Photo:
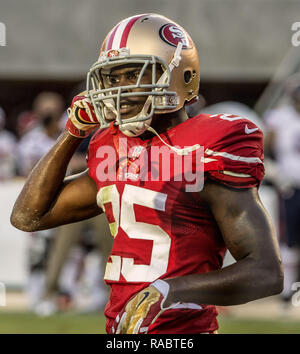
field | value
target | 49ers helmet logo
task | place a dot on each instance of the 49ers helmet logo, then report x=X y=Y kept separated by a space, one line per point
x=112 y=53
x=172 y=35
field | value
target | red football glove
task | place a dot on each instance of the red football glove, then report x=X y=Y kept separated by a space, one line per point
x=82 y=118
x=143 y=309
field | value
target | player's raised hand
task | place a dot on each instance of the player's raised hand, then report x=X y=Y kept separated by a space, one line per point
x=143 y=309
x=82 y=118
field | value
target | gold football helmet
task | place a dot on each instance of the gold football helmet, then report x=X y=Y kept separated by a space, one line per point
x=147 y=41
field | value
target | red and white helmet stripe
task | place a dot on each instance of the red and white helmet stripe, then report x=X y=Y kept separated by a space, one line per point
x=119 y=35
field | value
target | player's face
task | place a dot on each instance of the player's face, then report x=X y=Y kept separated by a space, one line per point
x=125 y=76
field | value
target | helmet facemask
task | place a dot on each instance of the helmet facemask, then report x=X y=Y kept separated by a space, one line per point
x=107 y=100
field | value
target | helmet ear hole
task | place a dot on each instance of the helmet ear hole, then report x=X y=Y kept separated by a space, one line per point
x=187 y=76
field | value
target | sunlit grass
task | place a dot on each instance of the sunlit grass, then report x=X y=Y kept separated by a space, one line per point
x=70 y=323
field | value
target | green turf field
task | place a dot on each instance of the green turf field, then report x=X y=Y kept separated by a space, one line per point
x=71 y=323
x=259 y=326
x=62 y=323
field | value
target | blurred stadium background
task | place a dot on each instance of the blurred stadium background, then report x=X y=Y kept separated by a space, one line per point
x=246 y=55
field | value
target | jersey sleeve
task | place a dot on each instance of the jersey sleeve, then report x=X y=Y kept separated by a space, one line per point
x=91 y=153
x=235 y=155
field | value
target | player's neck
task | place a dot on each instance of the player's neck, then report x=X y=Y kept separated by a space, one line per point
x=163 y=122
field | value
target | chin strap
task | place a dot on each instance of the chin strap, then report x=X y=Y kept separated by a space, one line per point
x=176 y=57
x=184 y=151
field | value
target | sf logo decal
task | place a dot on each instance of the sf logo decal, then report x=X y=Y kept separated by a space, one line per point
x=172 y=35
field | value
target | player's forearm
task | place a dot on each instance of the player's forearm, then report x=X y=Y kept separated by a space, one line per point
x=43 y=183
x=249 y=235
x=236 y=284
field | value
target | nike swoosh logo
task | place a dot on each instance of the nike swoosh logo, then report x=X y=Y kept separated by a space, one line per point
x=249 y=130
x=146 y=294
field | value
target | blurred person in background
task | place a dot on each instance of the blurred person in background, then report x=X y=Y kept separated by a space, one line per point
x=39 y=130
x=282 y=143
x=8 y=148
x=46 y=103
x=75 y=268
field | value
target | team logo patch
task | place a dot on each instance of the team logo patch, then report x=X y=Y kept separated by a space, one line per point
x=112 y=53
x=172 y=35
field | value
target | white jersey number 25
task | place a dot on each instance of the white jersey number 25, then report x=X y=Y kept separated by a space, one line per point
x=124 y=217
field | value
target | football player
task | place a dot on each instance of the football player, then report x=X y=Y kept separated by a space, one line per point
x=170 y=235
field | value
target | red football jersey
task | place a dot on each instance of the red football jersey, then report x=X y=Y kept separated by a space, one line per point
x=160 y=225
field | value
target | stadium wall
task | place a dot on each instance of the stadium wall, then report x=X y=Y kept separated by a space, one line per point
x=59 y=39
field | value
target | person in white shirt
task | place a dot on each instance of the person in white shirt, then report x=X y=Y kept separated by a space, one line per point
x=48 y=110
x=8 y=147
x=283 y=142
